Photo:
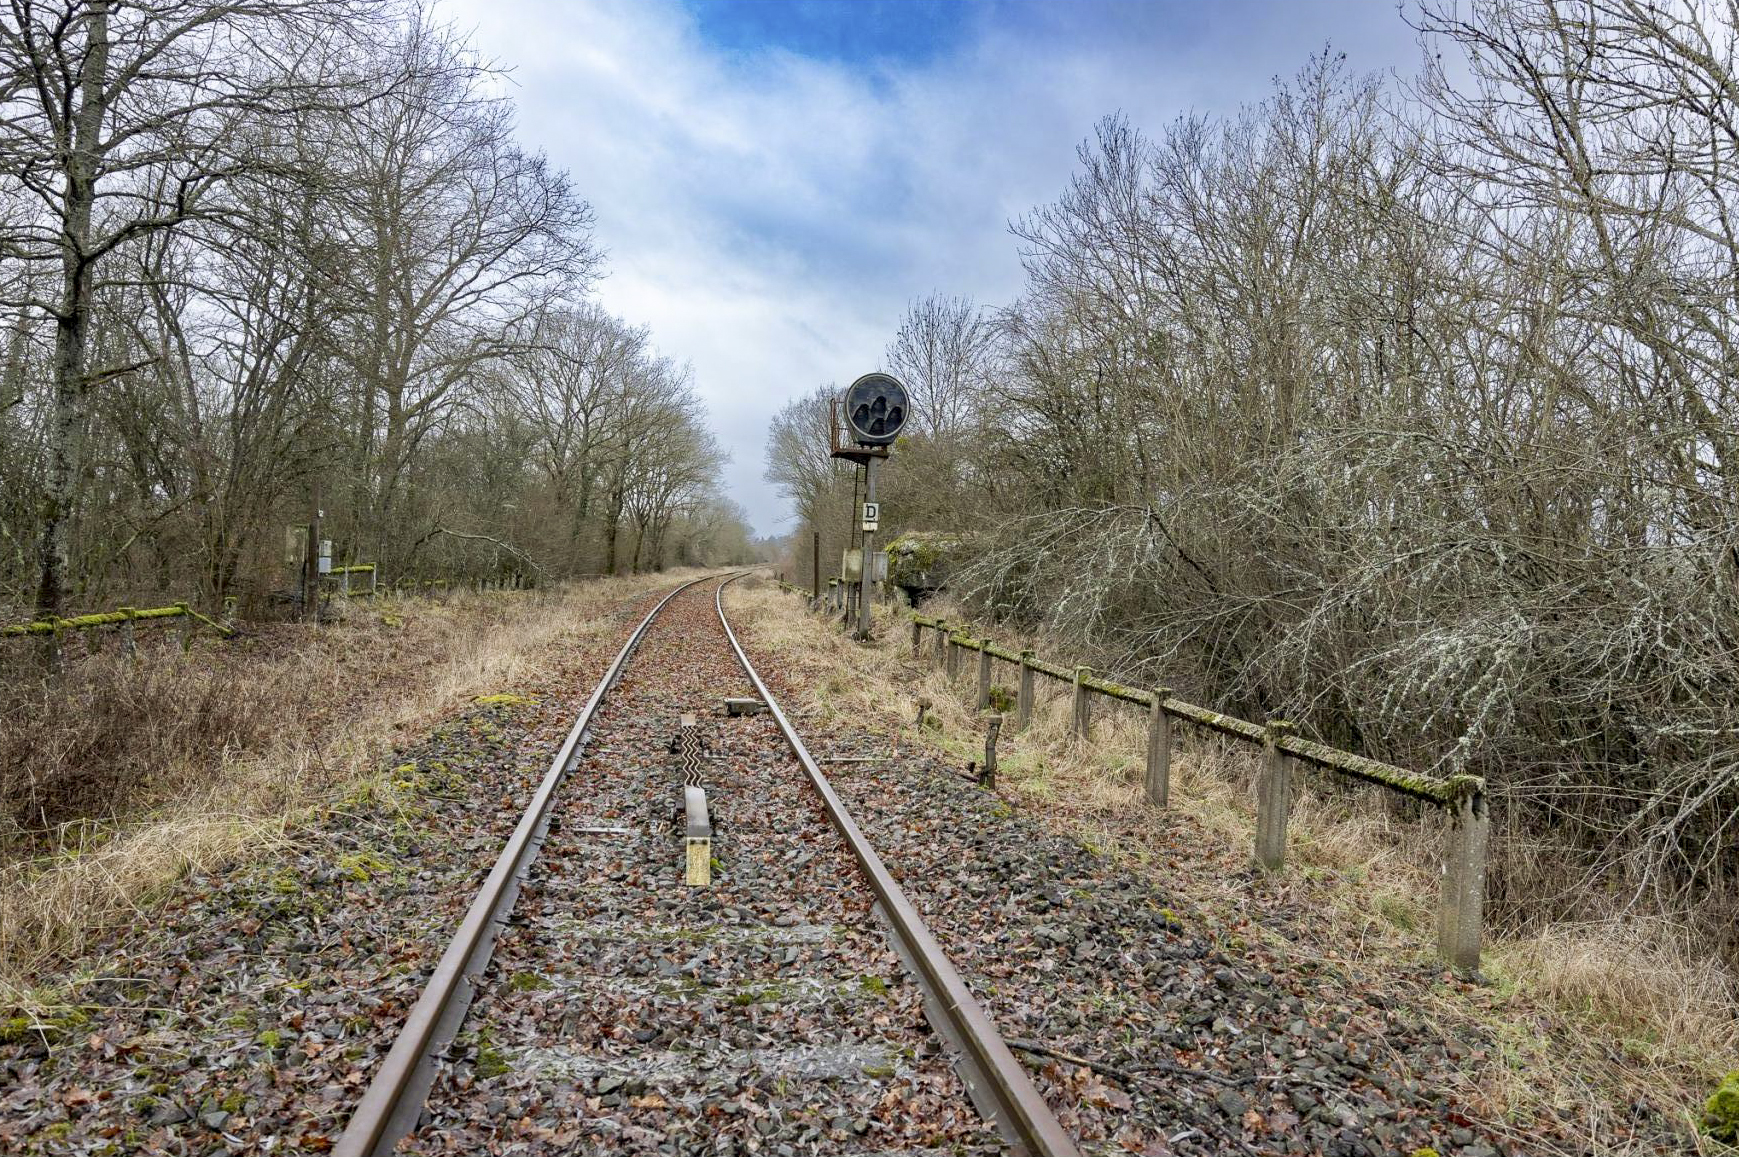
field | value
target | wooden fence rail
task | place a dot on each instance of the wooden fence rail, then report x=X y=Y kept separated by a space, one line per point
x=124 y=619
x=1461 y=798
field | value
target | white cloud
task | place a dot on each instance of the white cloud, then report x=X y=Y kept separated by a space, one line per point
x=769 y=215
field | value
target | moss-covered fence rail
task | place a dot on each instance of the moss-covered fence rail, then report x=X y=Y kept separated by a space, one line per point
x=124 y=620
x=341 y=576
x=1460 y=798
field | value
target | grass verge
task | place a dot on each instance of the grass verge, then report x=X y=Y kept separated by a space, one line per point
x=1588 y=1020
x=127 y=774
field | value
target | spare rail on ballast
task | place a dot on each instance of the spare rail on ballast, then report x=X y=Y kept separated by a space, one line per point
x=998 y=1085
x=1460 y=797
x=390 y=1106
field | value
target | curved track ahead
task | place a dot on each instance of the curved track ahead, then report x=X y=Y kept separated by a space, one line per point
x=627 y=1012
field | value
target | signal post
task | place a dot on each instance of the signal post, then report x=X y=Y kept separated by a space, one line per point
x=874 y=409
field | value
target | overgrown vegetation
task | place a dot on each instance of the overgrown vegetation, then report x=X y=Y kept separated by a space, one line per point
x=1404 y=410
x=1592 y=1019
x=128 y=773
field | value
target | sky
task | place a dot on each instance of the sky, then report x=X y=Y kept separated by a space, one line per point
x=774 y=180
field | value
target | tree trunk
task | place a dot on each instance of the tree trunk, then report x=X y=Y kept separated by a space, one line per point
x=72 y=320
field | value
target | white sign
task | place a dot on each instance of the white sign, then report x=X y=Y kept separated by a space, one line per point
x=872 y=513
x=852 y=568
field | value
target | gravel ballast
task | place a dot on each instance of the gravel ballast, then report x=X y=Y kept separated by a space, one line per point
x=626 y=1012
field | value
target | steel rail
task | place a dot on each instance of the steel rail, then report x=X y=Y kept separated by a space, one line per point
x=998 y=1085
x=393 y=1101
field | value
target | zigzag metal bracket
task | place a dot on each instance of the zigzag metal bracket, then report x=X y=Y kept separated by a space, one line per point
x=689 y=747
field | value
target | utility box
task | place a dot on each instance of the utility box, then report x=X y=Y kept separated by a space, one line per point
x=852 y=566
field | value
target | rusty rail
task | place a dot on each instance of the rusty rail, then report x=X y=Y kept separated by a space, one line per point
x=997 y=1083
x=390 y=1106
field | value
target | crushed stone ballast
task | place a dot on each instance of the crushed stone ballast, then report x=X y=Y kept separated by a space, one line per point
x=608 y=991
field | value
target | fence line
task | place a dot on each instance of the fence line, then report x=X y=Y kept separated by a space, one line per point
x=1461 y=798
x=124 y=619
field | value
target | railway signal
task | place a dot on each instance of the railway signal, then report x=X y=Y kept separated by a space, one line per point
x=876 y=406
x=875 y=409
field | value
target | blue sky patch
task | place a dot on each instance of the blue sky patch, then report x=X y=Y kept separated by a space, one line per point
x=849 y=31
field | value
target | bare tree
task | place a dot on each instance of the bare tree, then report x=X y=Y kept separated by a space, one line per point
x=119 y=122
x=467 y=238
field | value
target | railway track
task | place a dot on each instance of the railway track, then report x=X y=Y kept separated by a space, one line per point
x=593 y=1001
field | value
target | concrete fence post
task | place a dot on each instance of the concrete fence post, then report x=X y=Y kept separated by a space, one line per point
x=1273 y=797
x=1159 y=749
x=1023 y=703
x=984 y=675
x=992 y=725
x=1461 y=914
x=941 y=644
x=186 y=626
x=1082 y=713
x=954 y=650
x=129 y=644
x=228 y=619
x=51 y=643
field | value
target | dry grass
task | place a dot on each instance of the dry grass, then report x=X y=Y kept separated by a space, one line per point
x=1589 y=1018
x=125 y=776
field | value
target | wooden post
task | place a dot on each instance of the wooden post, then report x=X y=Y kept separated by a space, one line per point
x=1159 y=750
x=1461 y=912
x=186 y=627
x=954 y=650
x=1083 y=711
x=923 y=708
x=311 y=559
x=52 y=642
x=992 y=725
x=228 y=619
x=917 y=637
x=941 y=644
x=1023 y=705
x=129 y=644
x=815 y=564
x=1273 y=797
x=984 y=674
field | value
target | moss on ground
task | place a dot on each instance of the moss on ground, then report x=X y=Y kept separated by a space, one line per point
x=491 y=1061
x=1721 y=1111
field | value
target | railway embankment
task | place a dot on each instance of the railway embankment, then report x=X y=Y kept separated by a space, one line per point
x=240 y=959
x=1175 y=996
